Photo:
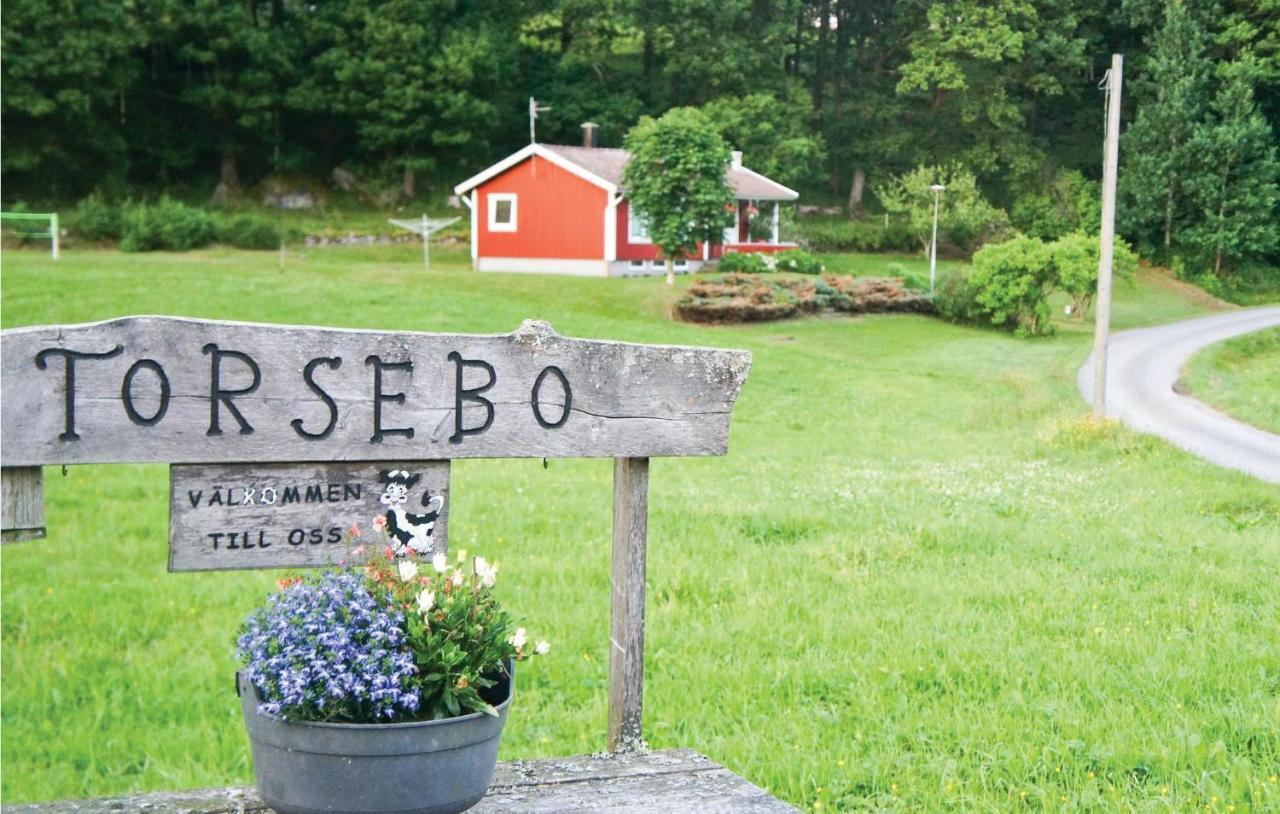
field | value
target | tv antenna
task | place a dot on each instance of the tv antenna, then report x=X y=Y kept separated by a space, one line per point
x=534 y=110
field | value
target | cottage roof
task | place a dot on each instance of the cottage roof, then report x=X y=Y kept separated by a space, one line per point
x=605 y=164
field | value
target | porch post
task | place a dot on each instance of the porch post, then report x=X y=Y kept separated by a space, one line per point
x=775 y=222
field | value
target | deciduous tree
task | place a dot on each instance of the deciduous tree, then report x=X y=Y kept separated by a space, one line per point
x=676 y=180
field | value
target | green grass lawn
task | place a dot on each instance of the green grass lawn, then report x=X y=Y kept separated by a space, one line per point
x=1241 y=377
x=920 y=581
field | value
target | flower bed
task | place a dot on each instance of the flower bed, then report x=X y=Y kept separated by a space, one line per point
x=756 y=298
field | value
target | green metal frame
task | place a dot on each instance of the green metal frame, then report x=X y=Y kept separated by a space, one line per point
x=51 y=217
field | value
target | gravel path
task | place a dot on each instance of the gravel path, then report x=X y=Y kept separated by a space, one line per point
x=1142 y=368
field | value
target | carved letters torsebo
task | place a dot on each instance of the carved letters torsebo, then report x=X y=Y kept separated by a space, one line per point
x=164 y=389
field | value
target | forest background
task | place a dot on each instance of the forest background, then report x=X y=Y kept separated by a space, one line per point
x=403 y=98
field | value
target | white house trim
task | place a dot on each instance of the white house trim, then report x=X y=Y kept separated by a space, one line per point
x=492 y=201
x=632 y=218
x=791 y=193
x=611 y=229
x=544 y=265
x=496 y=169
x=532 y=150
x=470 y=201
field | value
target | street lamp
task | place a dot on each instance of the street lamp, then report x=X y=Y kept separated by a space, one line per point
x=933 y=246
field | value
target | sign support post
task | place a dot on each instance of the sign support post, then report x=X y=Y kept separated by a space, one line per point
x=626 y=626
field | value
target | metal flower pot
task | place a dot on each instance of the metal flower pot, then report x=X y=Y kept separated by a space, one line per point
x=427 y=767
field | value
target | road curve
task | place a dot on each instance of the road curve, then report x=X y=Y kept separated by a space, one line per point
x=1144 y=364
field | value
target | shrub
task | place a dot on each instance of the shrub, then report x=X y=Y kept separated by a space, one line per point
x=755 y=298
x=799 y=262
x=955 y=298
x=95 y=219
x=737 y=298
x=826 y=235
x=1069 y=203
x=877 y=295
x=966 y=219
x=166 y=225
x=1011 y=282
x=1250 y=284
x=743 y=263
x=1075 y=267
x=250 y=232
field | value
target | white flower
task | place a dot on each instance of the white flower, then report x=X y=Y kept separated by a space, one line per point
x=487 y=572
x=440 y=562
x=408 y=570
x=462 y=556
x=426 y=600
x=542 y=647
x=456 y=579
x=518 y=641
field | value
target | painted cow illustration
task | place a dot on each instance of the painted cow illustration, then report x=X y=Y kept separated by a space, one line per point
x=408 y=531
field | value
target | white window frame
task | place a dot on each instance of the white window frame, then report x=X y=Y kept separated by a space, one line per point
x=634 y=221
x=494 y=199
x=680 y=265
x=635 y=265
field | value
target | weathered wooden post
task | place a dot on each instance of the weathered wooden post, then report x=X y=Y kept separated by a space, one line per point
x=626 y=625
x=21 y=503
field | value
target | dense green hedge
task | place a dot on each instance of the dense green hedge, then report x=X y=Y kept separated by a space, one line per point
x=169 y=225
x=842 y=235
x=795 y=261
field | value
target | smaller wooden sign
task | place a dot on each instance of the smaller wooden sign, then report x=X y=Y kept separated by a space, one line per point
x=232 y=516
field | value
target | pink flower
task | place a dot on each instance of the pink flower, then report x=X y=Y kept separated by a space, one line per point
x=355 y=529
x=380 y=522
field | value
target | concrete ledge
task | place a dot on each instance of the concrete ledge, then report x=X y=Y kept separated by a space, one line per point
x=674 y=781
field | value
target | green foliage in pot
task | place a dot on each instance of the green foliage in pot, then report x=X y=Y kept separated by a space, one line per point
x=396 y=639
x=458 y=633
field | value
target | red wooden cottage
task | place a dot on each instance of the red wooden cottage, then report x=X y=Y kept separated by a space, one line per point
x=559 y=209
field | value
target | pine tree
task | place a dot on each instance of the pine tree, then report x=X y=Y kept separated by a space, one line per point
x=1233 y=186
x=1157 y=149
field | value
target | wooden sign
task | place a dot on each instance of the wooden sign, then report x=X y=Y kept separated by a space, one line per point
x=231 y=516
x=235 y=406
x=181 y=390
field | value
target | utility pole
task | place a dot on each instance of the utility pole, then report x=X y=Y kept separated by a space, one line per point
x=1107 y=235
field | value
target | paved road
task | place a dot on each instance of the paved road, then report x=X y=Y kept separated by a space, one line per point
x=1143 y=365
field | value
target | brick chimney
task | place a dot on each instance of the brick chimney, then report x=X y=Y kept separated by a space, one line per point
x=590 y=134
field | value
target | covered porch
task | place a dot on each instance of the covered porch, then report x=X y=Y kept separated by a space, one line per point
x=757 y=210
x=755 y=229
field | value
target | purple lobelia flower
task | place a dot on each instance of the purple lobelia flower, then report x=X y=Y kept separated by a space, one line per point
x=324 y=649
